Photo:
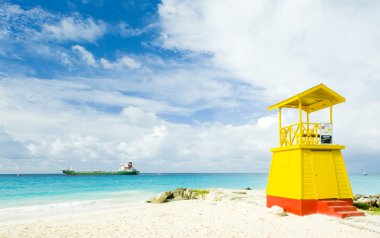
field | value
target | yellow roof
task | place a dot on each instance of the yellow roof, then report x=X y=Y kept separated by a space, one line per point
x=313 y=99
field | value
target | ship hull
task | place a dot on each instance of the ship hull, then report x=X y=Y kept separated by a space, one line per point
x=75 y=173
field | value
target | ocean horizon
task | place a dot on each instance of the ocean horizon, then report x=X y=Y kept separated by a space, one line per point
x=42 y=189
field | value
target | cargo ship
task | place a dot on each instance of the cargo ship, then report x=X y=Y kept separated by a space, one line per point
x=123 y=170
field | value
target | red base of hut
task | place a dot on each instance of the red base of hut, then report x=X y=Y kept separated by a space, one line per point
x=334 y=207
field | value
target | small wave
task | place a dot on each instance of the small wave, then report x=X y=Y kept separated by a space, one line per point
x=77 y=204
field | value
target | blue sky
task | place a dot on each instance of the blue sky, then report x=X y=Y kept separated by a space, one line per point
x=123 y=27
x=179 y=86
x=42 y=40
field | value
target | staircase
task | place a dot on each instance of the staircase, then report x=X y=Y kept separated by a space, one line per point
x=338 y=208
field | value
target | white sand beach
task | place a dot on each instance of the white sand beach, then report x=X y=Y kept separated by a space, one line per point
x=223 y=213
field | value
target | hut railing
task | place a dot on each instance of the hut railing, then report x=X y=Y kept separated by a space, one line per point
x=293 y=135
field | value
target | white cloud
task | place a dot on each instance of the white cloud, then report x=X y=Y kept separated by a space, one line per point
x=272 y=44
x=74 y=29
x=120 y=63
x=124 y=62
x=57 y=133
x=126 y=30
x=136 y=116
x=288 y=46
x=10 y=148
x=86 y=55
x=239 y=52
x=205 y=147
x=40 y=25
x=36 y=33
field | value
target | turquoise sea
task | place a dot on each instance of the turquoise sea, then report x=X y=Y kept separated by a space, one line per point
x=51 y=192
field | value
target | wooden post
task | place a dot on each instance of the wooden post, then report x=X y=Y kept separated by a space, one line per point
x=308 y=138
x=279 y=125
x=300 y=121
x=331 y=119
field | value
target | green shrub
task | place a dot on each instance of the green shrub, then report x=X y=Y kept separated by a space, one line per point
x=363 y=206
x=201 y=192
x=375 y=210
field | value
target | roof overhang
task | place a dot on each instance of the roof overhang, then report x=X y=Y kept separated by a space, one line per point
x=313 y=99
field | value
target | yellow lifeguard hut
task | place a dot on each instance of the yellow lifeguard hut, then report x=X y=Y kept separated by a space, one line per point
x=307 y=173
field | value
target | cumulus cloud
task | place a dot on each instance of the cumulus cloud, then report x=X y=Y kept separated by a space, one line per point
x=19 y=23
x=206 y=147
x=86 y=55
x=38 y=35
x=238 y=57
x=271 y=44
x=62 y=129
x=121 y=63
x=288 y=46
x=136 y=116
x=10 y=148
x=126 y=30
x=40 y=25
x=74 y=29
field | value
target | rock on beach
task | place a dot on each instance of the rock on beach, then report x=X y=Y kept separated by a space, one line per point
x=175 y=195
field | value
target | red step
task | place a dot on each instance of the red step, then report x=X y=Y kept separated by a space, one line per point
x=338 y=208
x=334 y=203
x=348 y=214
x=342 y=208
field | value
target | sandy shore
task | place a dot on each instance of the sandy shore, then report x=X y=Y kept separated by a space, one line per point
x=223 y=213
